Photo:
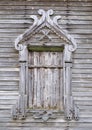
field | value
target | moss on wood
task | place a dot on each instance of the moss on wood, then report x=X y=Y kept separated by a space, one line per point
x=46 y=48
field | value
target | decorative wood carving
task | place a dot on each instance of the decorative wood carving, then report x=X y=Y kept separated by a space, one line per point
x=45 y=20
x=45 y=34
x=21 y=108
x=44 y=115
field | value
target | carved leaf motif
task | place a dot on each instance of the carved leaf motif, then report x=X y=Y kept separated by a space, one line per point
x=44 y=115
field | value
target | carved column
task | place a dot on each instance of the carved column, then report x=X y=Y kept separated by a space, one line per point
x=19 y=110
x=68 y=90
x=71 y=110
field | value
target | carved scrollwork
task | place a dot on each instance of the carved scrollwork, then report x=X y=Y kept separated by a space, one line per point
x=45 y=20
x=44 y=115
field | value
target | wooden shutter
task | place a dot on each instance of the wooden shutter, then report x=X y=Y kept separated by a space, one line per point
x=45 y=80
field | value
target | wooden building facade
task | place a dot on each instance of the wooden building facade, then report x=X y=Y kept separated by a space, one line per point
x=45 y=65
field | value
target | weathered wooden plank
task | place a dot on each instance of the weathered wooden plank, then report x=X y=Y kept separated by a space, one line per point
x=82 y=81
x=82 y=61
x=85 y=51
x=82 y=75
x=81 y=26
x=8 y=73
x=9 y=69
x=47 y=5
x=8 y=97
x=81 y=88
x=5 y=107
x=12 y=60
x=63 y=14
x=8 y=88
x=81 y=128
x=7 y=102
x=9 y=64
x=14 y=26
x=8 y=44
x=64 y=21
x=71 y=2
x=12 y=55
x=82 y=56
x=12 y=30
x=80 y=31
x=82 y=94
x=28 y=8
x=85 y=103
x=76 y=36
x=82 y=66
x=56 y=2
x=86 y=45
x=81 y=84
x=9 y=78
x=8 y=93
x=33 y=128
x=15 y=21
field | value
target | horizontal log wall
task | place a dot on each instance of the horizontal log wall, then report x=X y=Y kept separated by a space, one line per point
x=77 y=20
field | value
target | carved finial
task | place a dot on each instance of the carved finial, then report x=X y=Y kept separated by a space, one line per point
x=42 y=19
x=35 y=19
x=17 y=41
x=55 y=19
x=50 y=12
x=73 y=46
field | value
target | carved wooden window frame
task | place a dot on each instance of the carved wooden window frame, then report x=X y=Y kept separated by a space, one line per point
x=20 y=109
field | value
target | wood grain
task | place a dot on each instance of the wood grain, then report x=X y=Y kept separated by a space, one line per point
x=44 y=81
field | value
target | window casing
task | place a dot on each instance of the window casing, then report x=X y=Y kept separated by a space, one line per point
x=45 y=71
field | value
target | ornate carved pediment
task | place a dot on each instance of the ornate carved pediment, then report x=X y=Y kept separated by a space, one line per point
x=51 y=24
x=41 y=31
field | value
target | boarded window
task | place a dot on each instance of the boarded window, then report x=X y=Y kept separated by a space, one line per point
x=45 y=79
x=45 y=55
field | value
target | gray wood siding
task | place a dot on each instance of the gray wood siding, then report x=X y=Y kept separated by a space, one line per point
x=77 y=20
